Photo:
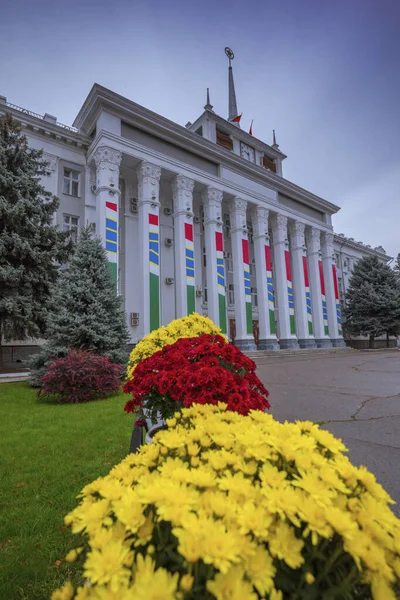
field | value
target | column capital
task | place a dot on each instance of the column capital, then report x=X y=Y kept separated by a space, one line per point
x=212 y=204
x=259 y=218
x=313 y=236
x=148 y=176
x=212 y=196
x=182 y=194
x=238 y=215
x=107 y=158
x=279 y=229
x=327 y=244
x=148 y=173
x=297 y=229
x=182 y=184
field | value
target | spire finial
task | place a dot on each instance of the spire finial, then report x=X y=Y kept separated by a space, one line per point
x=274 y=144
x=208 y=106
x=233 y=111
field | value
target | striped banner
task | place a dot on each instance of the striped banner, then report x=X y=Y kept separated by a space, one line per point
x=112 y=238
x=189 y=253
x=270 y=288
x=324 y=307
x=219 y=245
x=154 y=261
x=308 y=295
x=338 y=311
x=290 y=293
x=247 y=288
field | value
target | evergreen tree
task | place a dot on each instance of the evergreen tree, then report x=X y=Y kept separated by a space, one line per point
x=396 y=267
x=85 y=311
x=373 y=300
x=31 y=247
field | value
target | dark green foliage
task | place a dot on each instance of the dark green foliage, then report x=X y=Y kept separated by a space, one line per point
x=85 y=311
x=373 y=300
x=31 y=247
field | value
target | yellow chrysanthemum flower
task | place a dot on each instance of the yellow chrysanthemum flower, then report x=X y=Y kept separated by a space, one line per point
x=225 y=496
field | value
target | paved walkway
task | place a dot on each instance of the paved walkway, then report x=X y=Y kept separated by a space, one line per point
x=356 y=393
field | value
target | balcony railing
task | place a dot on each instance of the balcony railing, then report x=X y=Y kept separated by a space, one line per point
x=37 y=116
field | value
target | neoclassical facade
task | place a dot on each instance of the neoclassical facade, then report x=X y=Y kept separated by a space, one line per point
x=196 y=218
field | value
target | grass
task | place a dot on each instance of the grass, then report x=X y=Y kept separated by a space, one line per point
x=48 y=453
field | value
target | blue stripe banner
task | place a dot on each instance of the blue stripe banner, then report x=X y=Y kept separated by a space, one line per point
x=110 y=224
x=153 y=257
x=111 y=236
x=111 y=247
x=153 y=236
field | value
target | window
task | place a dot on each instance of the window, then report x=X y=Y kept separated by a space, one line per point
x=205 y=296
x=268 y=163
x=227 y=226
x=199 y=131
x=250 y=232
x=224 y=140
x=253 y=267
x=254 y=298
x=204 y=258
x=231 y=294
x=70 y=223
x=229 y=262
x=71 y=183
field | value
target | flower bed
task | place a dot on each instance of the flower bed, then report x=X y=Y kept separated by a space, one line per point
x=236 y=507
x=185 y=327
x=202 y=370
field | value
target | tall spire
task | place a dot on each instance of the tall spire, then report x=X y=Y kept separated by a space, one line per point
x=274 y=144
x=208 y=106
x=233 y=111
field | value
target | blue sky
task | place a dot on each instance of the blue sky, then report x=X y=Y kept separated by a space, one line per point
x=324 y=74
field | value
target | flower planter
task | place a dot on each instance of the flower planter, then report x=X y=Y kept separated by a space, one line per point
x=153 y=431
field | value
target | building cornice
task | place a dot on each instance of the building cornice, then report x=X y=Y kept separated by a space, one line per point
x=344 y=241
x=133 y=148
x=49 y=128
x=133 y=114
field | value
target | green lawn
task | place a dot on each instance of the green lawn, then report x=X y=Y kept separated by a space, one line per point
x=48 y=452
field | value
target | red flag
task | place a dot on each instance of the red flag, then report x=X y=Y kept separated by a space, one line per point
x=251 y=128
x=236 y=119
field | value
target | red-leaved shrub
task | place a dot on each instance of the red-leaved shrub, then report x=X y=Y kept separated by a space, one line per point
x=79 y=377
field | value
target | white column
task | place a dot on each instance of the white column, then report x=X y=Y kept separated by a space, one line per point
x=107 y=162
x=241 y=275
x=265 y=292
x=185 y=290
x=283 y=281
x=320 y=324
x=215 y=263
x=331 y=291
x=148 y=176
x=302 y=297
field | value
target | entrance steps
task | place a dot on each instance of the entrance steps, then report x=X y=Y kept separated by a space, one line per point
x=256 y=354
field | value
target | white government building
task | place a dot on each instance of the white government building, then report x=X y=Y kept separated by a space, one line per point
x=199 y=218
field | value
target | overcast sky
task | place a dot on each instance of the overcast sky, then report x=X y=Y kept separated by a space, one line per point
x=325 y=74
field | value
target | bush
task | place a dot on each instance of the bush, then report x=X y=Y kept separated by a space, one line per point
x=186 y=327
x=79 y=377
x=203 y=370
x=226 y=506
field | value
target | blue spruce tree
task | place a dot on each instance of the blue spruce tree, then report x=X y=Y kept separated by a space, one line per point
x=85 y=309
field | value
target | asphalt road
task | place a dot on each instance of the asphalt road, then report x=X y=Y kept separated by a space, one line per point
x=356 y=393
